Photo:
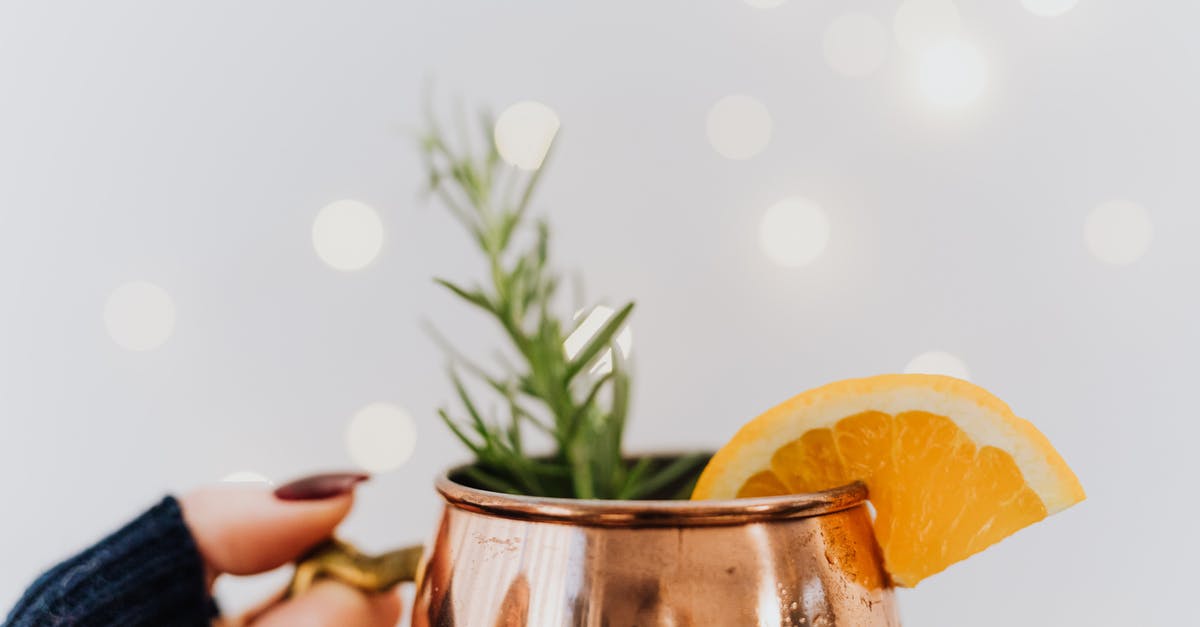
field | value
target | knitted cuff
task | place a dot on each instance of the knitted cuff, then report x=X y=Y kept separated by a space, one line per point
x=147 y=573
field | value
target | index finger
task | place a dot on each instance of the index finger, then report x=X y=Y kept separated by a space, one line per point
x=245 y=530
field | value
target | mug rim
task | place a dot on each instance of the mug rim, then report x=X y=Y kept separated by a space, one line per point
x=647 y=513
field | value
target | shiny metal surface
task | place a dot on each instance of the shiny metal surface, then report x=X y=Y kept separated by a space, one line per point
x=339 y=560
x=506 y=561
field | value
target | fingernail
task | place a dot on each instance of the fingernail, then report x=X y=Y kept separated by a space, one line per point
x=317 y=487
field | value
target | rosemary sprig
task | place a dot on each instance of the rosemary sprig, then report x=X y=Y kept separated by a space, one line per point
x=582 y=413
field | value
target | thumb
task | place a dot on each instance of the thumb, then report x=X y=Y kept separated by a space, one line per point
x=242 y=530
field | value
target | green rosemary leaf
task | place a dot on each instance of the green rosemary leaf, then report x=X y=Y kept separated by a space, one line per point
x=633 y=478
x=606 y=451
x=581 y=470
x=527 y=387
x=517 y=289
x=478 y=421
x=514 y=436
x=529 y=286
x=687 y=487
x=475 y=298
x=490 y=481
x=458 y=359
x=618 y=413
x=503 y=286
x=476 y=449
x=508 y=223
x=522 y=467
x=531 y=185
x=673 y=471
x=543 y=242
x=454 y=206
x=521 y=414
x=591 y=396
x=549 y=469
x=598 y=342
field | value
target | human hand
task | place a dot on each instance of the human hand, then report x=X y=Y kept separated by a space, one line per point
x=243 y=531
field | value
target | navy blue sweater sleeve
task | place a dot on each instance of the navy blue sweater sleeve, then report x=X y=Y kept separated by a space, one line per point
x=147 y=573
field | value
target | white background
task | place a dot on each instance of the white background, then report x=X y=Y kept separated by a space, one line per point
x=191 y=145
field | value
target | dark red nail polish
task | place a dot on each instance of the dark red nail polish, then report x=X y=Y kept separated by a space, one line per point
x=317 y=487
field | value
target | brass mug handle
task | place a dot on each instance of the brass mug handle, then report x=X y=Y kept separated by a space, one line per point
x=335 y=559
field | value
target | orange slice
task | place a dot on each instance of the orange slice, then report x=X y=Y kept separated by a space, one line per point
x=950 y=469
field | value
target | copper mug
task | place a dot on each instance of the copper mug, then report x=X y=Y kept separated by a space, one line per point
x=499 y=560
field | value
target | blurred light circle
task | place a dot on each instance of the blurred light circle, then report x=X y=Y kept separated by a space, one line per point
x=524 y=132
x=951 y=74
x=920 y=23
x=1118 y=232
x=140 y=316
x=938 y=362
x=764 y=4
x=381 y=437
x=246 y=476
x=347 y=235
x=855 y=44
x=588 y=328
x=794 y=232
x=739 y=127
x=1049 y=8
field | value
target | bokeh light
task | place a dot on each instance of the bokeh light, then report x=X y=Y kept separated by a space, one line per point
x=140 y=316
x=951 y=74
x=1118 y=232
x=794 y=232
x=246 y=476
x=524 y=132
x=1049 y=8
x=347 y=235
x=938 y=362
x=381 y=437
x=739 y=127
x=855 y=44
x=921 y=23
x=587 y=329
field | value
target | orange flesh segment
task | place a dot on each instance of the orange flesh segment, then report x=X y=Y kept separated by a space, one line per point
x=938 y=497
